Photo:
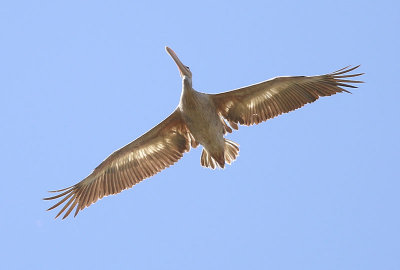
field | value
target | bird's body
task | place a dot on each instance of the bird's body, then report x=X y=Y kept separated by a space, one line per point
x=199 y=119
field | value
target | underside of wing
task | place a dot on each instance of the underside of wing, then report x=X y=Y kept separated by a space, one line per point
x=156 y=150
x=259 y=102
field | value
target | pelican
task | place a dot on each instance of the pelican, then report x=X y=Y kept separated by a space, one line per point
x=200 y=118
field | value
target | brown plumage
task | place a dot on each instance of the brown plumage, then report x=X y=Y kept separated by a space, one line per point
x=199 y=119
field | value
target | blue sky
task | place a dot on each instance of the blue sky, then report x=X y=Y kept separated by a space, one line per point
x=314 y=189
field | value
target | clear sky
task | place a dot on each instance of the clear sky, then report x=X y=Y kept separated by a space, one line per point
x=314 y=189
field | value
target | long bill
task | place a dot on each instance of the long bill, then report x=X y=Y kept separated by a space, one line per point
x=182 y=68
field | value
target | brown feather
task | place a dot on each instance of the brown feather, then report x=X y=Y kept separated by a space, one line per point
x=156 y=150
x=259 y=102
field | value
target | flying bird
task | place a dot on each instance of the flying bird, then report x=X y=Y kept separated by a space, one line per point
x=200 y=118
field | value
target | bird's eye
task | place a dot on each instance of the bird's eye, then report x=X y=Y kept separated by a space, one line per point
x=187 y=67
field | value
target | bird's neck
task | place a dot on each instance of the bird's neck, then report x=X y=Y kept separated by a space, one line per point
x=186 y=83
x=188 y=93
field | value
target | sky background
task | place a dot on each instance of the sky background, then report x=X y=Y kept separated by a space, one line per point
x=317 y=188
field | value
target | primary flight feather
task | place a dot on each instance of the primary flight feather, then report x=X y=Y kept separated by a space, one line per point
x=199 y=119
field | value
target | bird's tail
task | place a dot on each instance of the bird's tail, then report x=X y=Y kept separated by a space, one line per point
x=231 y=152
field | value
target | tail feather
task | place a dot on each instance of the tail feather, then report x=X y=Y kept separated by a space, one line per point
x=207 y=161
x=231 y=152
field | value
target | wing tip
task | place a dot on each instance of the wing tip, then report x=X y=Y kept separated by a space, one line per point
x=346 y=69
x=341 y=76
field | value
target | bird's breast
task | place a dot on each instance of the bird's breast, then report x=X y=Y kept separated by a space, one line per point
x=201 y=117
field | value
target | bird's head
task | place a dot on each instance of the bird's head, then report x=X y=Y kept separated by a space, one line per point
x=183 y=70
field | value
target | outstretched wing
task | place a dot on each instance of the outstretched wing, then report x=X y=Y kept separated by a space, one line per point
x=257 y=103
x=156 y=150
